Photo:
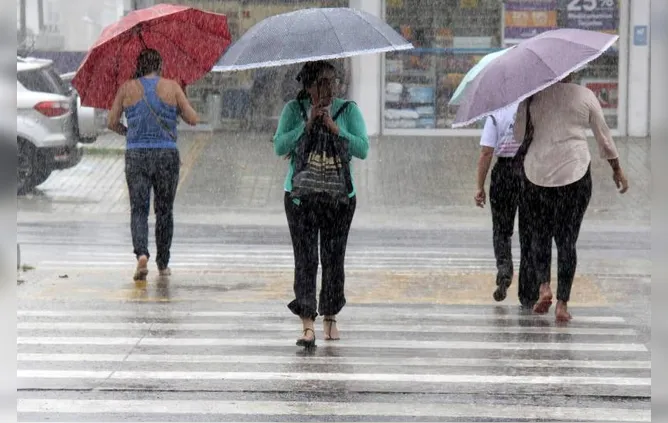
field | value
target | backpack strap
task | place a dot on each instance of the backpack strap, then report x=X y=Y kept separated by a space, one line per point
x=342 y=109
x=303 y=110
x=528 y=133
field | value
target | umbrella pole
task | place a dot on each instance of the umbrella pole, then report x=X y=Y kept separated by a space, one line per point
x=141 y=38
x=137 y=30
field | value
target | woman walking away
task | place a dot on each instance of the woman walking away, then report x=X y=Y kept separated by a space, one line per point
x=505 y=187
x=152 y=105
x=320 y=133
x=558 y=183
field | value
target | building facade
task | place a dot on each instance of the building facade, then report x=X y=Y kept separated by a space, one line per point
x=403 y=93
x=450 y=36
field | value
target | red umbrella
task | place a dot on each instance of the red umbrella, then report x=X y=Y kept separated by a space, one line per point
x=189 y=40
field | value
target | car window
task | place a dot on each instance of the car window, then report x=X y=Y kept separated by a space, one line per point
x=64 y=86
x=43 y=80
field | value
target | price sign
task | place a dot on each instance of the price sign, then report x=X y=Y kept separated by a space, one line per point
x=595 y=15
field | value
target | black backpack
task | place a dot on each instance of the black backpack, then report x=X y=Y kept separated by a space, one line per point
x=322 y=164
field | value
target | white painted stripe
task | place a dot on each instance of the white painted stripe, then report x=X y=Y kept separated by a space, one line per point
x=376 y=312
x=388 y=344
x=299 y=408
x=93 y=326
x=235 y=253
x=390 y=265
x=351 y=361
x=333 y=377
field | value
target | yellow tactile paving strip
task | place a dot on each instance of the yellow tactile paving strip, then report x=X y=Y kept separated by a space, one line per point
x=362 y=287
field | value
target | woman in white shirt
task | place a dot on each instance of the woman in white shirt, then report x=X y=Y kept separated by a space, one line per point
x=505 y=187
x=558 y=182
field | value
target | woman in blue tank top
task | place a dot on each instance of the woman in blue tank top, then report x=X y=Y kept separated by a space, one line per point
x=152 y=105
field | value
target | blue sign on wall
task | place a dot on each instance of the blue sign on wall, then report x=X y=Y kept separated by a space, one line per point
x=640 y=35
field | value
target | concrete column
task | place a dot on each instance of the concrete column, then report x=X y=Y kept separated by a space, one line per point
x=365 y=84
x=638 y=70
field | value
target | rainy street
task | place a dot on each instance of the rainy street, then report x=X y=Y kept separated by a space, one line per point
x=422 y=339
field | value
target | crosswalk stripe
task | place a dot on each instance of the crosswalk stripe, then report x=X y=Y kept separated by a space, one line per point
x=273 y=327
x=60 y=264
x=351 y=361
x=338 y=409
x=361 y=312
x=331 y=377
x=281 y=257
x=386 y=344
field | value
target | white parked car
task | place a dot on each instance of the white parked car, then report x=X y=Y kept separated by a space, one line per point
x=89 y=115
x=50 y=123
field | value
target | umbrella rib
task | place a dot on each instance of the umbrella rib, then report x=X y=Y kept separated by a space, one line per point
x=338 y=40
x=186 y=54
x=372 y=26
x=118 y=55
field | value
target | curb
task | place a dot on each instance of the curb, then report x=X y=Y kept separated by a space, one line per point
x=103 y=151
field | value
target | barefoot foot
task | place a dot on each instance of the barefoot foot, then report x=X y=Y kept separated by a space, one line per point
x=330 y=329
x=561 y=312
x=142 y=269
x=544 y=301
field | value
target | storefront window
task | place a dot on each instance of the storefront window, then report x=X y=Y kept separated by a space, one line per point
x=450 y=37
x=251 y=99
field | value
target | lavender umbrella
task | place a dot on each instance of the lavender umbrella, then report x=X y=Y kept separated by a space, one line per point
x=530 y=67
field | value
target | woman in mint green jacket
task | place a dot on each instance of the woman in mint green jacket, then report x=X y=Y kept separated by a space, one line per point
x=307 y=219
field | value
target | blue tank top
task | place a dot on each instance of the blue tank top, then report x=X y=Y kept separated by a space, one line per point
x=144 y=130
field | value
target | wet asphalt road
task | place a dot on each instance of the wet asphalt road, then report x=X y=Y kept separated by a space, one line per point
x=91 y=358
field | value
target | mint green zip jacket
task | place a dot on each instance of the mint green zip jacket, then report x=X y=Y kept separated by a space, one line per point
x=291 y=126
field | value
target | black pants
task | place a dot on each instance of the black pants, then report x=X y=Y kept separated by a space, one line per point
x=504 y=197
x=557 y=213
x=157 y=169
x=306 y=221
x=527 y=287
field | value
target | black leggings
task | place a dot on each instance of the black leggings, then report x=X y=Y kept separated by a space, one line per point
x=157 y=169
x=306 y=220
x=557 y=213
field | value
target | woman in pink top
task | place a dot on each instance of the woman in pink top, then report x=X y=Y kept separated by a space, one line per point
x=557 y=185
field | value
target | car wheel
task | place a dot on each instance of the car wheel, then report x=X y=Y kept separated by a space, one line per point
x=25 y=167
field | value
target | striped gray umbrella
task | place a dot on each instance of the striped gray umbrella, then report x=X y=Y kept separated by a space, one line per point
x=308 y=35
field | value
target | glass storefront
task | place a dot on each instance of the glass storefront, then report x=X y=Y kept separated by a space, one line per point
x=450 y=36
x=251 y=99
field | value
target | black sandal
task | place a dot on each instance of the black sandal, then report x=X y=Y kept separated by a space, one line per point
x=328 y=334
x=301 y=342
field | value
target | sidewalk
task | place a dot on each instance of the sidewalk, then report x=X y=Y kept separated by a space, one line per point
x=96 y=187
x=407 y=182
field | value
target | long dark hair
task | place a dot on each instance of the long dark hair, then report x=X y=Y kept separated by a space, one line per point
x=309 y=74
x=148 y=61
